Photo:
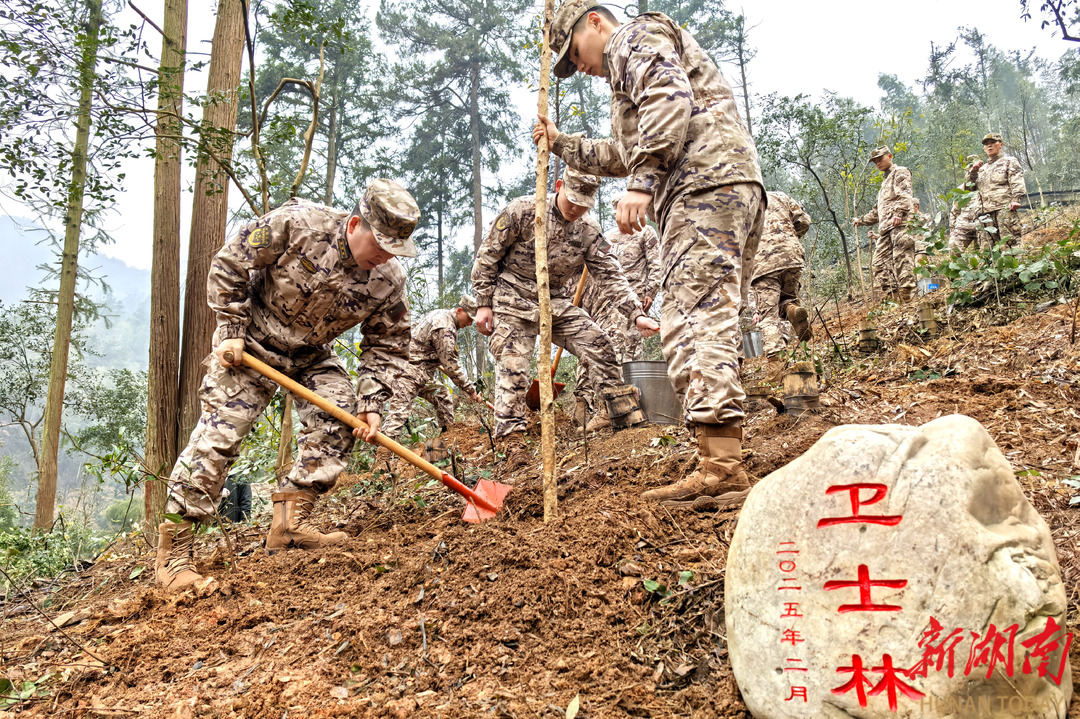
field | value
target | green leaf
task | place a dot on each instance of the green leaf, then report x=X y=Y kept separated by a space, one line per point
x=173 y=517
x=686 y=576
x=136 y=572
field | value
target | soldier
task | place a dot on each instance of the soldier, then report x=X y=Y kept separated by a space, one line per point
x=1000 y=181
x=894 y=248
x=963 y=228
x=282 y=289
x=433 y=346
x=777 y=271
x=638 y=253
x=693 y=169
x=921 y=226
x=504 y=279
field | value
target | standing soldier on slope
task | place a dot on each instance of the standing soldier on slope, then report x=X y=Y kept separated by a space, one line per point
x=433 y=346
x=693 y=168
x=638 y=254
x=894 y=248
x=1000 y=181
x=504 y=279
x=282 y=289
x=778 y=270
x=963 y=221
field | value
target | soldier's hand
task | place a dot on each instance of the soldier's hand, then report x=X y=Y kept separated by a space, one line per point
x=477 y=397
x=1014 y=205
x=646 y=303
x=897 y=221
x=630 y=216
x=373 y=421
x=977 y=165
x=235 y=346
x=855 y=223
x=545 y=125
x=646 y=325
x=485 y=321
x=872 y=235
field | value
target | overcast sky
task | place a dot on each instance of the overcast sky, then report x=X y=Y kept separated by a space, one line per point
x=802 y=47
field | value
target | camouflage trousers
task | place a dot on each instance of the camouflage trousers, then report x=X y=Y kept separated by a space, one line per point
x=232 y=400
x=1005 y=224
x=708 y=243
x=894 y=261
x=419 y=380
x=512 y=343
x=774 y=292
x=628 y=344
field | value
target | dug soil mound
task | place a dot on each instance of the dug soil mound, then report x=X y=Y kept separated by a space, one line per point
x=613 y=609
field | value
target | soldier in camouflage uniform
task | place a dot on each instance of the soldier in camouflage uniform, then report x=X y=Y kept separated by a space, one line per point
x=638 y=253
x=282 y=289
x=963 y=221
x=921 y=226
x=777 y=271
x=894 y=249
x=1000 y=181
x=504 y=280
x=692 y=168
x=433 y=347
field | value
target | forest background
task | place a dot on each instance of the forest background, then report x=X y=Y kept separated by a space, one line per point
x=167 y=126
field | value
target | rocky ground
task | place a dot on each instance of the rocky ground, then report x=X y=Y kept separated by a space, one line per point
x=615 y=608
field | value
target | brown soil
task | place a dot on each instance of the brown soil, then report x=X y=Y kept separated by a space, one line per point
x=421 y=614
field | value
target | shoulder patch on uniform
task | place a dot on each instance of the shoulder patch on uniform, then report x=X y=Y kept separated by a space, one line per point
x=308 y=265
x=604 y=245
x=398 y=311
x=259 y=237
x=502 y=222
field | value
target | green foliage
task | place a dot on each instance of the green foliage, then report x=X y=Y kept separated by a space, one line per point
x=1023 y=270
x=123 y=515
x=9 y=513
x=26 y=553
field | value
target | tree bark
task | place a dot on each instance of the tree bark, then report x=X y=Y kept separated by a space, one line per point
x=478 y=187
x=209 y=213
x=331 y=143
x=163 y=412
x=69 y=264
x=543 y=291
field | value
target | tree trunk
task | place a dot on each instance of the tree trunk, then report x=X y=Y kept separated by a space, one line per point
x=745 y=86
x=209 y=213
x=543 y=291
x=163 y=412
x=478 y=187
x=69 y=264
x=331 y=145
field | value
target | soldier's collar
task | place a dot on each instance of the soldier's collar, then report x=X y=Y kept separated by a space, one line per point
x=553 y=200
x=343 y=244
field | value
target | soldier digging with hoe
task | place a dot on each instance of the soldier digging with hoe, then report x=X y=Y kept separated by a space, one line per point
x=692 y=167
x=282 y=289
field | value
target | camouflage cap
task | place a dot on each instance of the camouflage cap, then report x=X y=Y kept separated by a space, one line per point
x=468 y=303
x=392 y=213
x=562 y=28
x=580 y=188
x=992 y=137
x=880 y=151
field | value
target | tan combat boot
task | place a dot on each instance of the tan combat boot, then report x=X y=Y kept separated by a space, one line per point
x=173 y=567
x=719 y=482
x=800 y=322
x=292 y=526
x=600 y=420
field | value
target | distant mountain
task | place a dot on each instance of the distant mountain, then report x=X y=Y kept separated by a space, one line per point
x=126 y=342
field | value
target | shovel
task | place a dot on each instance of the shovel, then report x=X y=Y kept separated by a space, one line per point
x=480 y=504
x=532 y=398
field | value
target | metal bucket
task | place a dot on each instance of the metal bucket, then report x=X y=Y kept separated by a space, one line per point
x=752 y=344
x=658 y=400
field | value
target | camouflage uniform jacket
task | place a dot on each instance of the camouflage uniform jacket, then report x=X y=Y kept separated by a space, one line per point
x=780 y=249
x=639 y=256
x=434 y=340
x=504 y=273
x=1000 y=183
x=674 y=123
x=894 y=199
x=289 y=282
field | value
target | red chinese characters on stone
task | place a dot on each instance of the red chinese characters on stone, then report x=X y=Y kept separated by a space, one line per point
x=1042 y=645
x=864 y=583
x=890 y=683
x=857 y=503
x=935 y=652
x=797 y=693
x=988 y=652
